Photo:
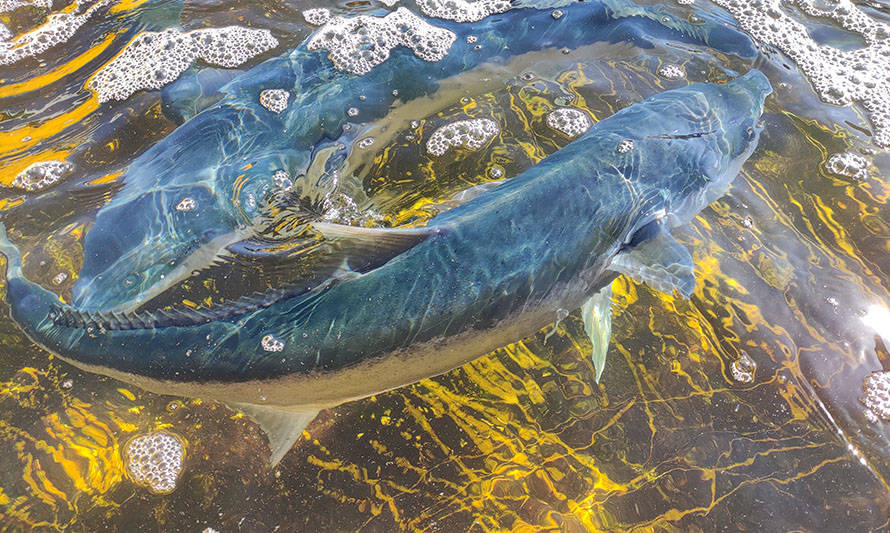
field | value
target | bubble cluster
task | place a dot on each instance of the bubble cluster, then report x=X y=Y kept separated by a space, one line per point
x=366 y=142
x=41 y=175
x=471 y=134
x=360 y=43
x=282 y=179
x=271 y=344
x=573 y=122
x=840 y=77
x=275 y=100
x=876 y=387
x=743 y=369
x=671 y=72
x=462 y=11
x=60 y=278
x=154 y=59
x=58 y=28
x=187 y=204
x=317 y=16
x=849 y=164
x=155 y=460
x=7 y=6
x=625 y=146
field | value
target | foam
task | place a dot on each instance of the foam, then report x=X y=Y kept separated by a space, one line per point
x=271 y=344
x=275 y=100
x=360 y=43
x=570 y=121
x=7 y=6
x=625 y=146
x=876 y=387
x=462 y=11
x=154 y=59
x=849 y=164
x=317 y=16
x=470 y=134
x=282 y=179
x=367 y=142
x=187 y=204
x=155 y=460
x=58 y=28
x=42 y=175
x=671 y=72
x=743 y=369
x=840 y=77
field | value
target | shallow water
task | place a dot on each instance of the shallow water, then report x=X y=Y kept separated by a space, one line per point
x=738 y=409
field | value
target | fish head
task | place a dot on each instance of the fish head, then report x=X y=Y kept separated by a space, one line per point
x=691 y=144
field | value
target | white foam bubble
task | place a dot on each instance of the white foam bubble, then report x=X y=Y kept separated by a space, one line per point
x=271 y=344
x=41 y=175
x=275 y=100
x=154 y=59
x=367 y=142
x=360 y=43
x=7 y=6
x=187 y=204
x=671 y=72
x=840 y=77
x=462 y=11
x=849 y=164
x=282 y=179
x=58 y=28
x=625 y=146
x=471 y=134
x=317 y=16
x=570 y=121
x=743 y=369
x=155 y=460
x=876 y=387
x=389 y=3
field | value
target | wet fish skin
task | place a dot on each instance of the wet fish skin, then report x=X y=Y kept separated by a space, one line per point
x=224 y=157
x=486 y=273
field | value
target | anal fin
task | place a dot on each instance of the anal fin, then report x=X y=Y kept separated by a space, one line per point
x=597 y=315
x=282 y=425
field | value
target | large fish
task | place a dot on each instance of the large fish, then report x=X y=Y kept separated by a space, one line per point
x=479 y=276
x=223 y=161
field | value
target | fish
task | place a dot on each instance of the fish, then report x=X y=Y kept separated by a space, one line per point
x=222 y=162
x=495 y=269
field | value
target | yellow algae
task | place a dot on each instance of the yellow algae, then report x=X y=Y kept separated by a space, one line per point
x=60 y=72
x=107 y=178
x=125 y=5
x=127 y=394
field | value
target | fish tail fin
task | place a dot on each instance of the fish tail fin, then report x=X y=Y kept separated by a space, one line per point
x=12 y=254
x=29 y=303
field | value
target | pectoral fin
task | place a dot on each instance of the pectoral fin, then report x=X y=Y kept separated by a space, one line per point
x=660 y=262
x=597 y=315
x=282 y=426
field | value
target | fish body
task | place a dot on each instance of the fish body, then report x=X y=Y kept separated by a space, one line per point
x=479 y=276
x=223 y=161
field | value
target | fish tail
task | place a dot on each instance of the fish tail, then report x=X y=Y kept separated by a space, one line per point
x=12 y=254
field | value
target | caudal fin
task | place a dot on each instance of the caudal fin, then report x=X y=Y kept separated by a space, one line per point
x=12 y=254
